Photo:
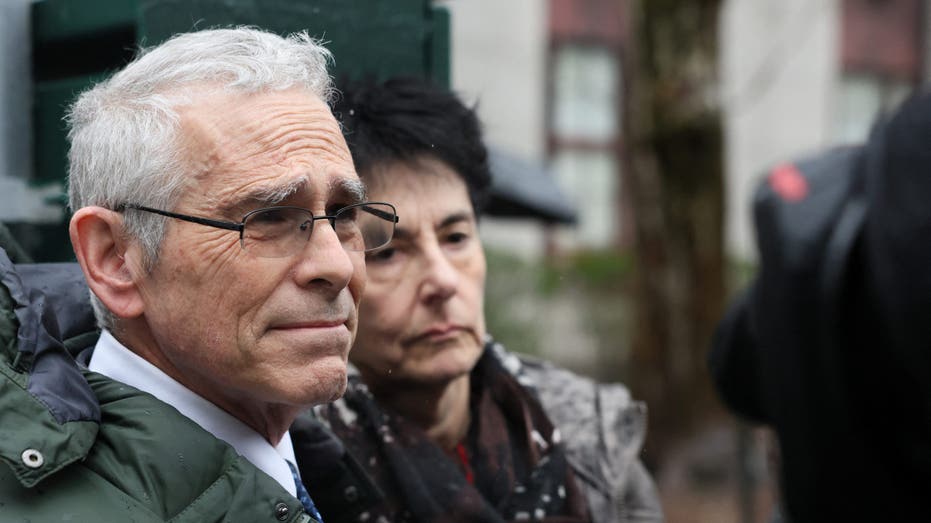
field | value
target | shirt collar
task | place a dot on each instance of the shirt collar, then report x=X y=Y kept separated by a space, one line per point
x=112 y=359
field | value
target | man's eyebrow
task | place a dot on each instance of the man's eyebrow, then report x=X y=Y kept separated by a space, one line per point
x=273 y=194
x=351 y=188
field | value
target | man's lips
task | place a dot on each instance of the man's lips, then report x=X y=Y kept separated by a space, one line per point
x=316 y=324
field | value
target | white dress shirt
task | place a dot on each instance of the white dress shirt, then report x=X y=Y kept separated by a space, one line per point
x=115 y=361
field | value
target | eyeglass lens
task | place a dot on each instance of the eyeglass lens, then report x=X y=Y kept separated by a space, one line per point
x=282 y=231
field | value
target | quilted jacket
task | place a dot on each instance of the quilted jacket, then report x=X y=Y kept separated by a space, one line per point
x=78 y=446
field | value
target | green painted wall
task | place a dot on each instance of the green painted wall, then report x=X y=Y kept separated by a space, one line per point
x=78 y=43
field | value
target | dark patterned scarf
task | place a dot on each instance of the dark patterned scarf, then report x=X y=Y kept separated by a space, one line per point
x=512 y=455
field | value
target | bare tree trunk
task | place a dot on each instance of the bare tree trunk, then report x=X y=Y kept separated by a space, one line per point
x=673 y=139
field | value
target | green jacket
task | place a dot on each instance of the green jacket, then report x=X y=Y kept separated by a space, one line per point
x=78 y=446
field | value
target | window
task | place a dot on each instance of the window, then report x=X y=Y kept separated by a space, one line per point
x=585 y=121
x=585 y=93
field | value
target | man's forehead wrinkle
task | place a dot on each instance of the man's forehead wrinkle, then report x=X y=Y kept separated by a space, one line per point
x=316 y=129
x=269 y=151
x=233 y=137
x=317 y=143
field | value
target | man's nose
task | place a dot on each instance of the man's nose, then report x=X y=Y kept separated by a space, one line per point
x=324 y=260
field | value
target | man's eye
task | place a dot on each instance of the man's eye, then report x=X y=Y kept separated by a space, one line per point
x=275 y=217
x=347 y=214
x=270 y=217
x=381 y=255
x=384 y=254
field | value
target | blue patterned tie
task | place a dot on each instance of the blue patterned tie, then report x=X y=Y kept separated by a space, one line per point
x=303 y=495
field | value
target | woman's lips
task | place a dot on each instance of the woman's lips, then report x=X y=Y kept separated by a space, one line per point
x=439 y=333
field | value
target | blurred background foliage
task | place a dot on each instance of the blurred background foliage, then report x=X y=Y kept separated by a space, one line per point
x=522 y=295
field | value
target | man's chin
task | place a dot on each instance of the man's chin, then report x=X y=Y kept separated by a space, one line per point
x=338 y=390
x=327 y=381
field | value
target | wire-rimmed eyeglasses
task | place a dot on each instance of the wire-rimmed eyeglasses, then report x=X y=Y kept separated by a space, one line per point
x=276 y=232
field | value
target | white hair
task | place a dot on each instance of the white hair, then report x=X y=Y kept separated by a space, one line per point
x=124 y=132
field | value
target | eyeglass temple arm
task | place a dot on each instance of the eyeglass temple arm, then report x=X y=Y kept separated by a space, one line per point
x=232 y=226
x=393 y=218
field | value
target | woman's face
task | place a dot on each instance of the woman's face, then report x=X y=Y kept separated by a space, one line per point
x=421 y=318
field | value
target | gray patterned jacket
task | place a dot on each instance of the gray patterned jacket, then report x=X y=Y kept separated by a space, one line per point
x=603 y=430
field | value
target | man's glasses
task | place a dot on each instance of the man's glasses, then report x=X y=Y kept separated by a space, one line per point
x=276 y=232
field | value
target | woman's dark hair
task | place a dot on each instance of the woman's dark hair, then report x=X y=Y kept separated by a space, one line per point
x=404 y=119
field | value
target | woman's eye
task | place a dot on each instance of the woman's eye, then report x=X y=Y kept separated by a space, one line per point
x=457 y=237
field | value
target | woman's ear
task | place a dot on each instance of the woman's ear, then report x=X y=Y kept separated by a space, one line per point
x=101 y=247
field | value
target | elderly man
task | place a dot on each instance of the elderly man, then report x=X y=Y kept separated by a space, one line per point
x=446 y=423
x=220 y=226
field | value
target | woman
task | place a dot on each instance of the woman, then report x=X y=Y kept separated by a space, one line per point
x=446 y=424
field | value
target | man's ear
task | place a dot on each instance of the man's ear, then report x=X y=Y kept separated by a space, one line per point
x=101 y=248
